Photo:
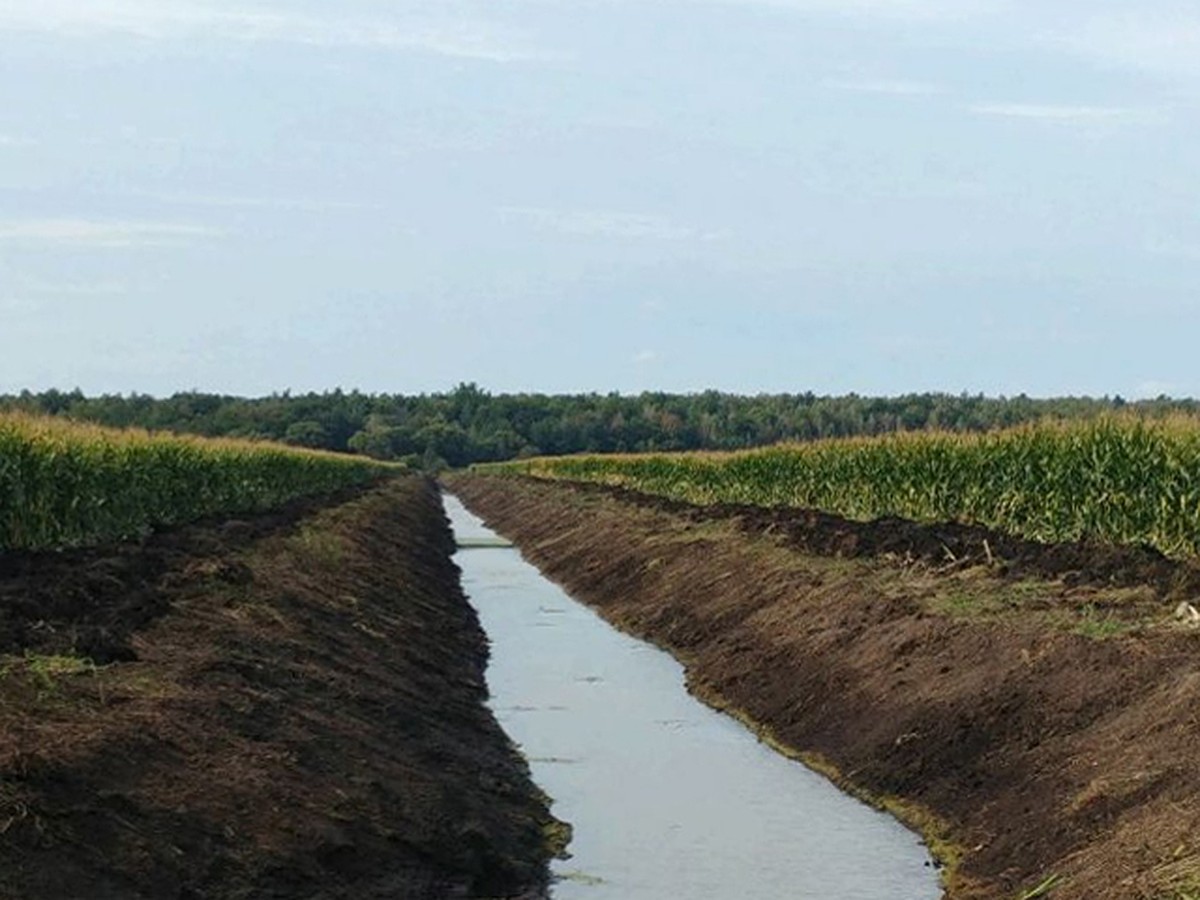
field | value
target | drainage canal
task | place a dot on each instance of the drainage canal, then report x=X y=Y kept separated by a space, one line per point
x=668 y=799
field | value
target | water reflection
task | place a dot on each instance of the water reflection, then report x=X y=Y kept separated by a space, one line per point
x=668 y=799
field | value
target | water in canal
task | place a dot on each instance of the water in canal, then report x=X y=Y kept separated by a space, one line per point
x=668 y=799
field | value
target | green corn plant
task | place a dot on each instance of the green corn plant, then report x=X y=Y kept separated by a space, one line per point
x=1117 y=479
x=64 y=484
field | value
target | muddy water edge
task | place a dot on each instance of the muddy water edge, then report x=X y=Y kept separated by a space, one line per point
x=285 y=706
x=1040 y=734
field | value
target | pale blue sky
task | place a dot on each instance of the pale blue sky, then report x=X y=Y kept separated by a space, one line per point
x=571 y=195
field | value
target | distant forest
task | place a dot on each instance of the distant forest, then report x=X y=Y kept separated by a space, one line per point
x=468 y=424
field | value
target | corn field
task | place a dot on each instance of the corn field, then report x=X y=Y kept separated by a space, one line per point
x=1118 y=480
x=64 y=484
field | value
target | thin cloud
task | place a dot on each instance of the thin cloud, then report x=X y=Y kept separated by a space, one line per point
x=76 y=289
x=1044 y=112
x=1174 y=248
x=646 y=356
x=180 y=20
x=223 y=201
x=1161 y=44
x=896 y=88
x=17 y=306
x=606 y=224
x=96 y=233
x=919 y=10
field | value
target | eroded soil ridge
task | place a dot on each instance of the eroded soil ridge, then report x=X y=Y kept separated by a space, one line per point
x=944 y=544
x=289 y=706
x=1034 y=743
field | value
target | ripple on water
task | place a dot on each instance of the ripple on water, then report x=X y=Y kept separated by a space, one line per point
x=667 y=798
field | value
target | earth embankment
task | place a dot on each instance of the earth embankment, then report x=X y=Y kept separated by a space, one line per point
x=287 y=706
x=1039 y=729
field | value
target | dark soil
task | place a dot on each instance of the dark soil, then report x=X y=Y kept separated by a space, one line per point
x=1028 y=751
x=286 y=706
x=90 y=601
x=944 y=544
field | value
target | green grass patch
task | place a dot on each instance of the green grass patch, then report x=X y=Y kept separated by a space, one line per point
x=1043 y=889
x=44 y=674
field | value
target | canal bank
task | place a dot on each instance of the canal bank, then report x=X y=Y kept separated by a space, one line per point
x=294 y=707
x=667 y=798
x=1031 y=753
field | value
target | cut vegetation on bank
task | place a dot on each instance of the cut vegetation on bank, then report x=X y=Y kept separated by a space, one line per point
x=67 y=484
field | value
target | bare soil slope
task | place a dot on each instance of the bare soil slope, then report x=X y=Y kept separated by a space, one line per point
x=290 y=706
x=1034 y=728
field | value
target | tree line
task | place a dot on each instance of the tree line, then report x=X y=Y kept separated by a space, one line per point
x=468 y=424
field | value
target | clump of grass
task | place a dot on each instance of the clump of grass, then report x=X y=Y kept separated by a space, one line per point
x=1179 y=877
x=1099 y=626
x=579 y=877
x=320 y=546
x=557 y=836
x=45 y=672
x=1041 y=890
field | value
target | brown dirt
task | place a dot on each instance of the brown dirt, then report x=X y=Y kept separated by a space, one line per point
x=288 y=706
x=988 y=708
x=944 y=544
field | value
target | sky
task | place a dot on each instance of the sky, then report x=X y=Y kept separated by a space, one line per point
x=879 y=196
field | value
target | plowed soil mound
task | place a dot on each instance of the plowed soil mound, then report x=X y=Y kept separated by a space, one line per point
x=90 y=601
x=289 y=706
x=943 y=544
x=1033 y=749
